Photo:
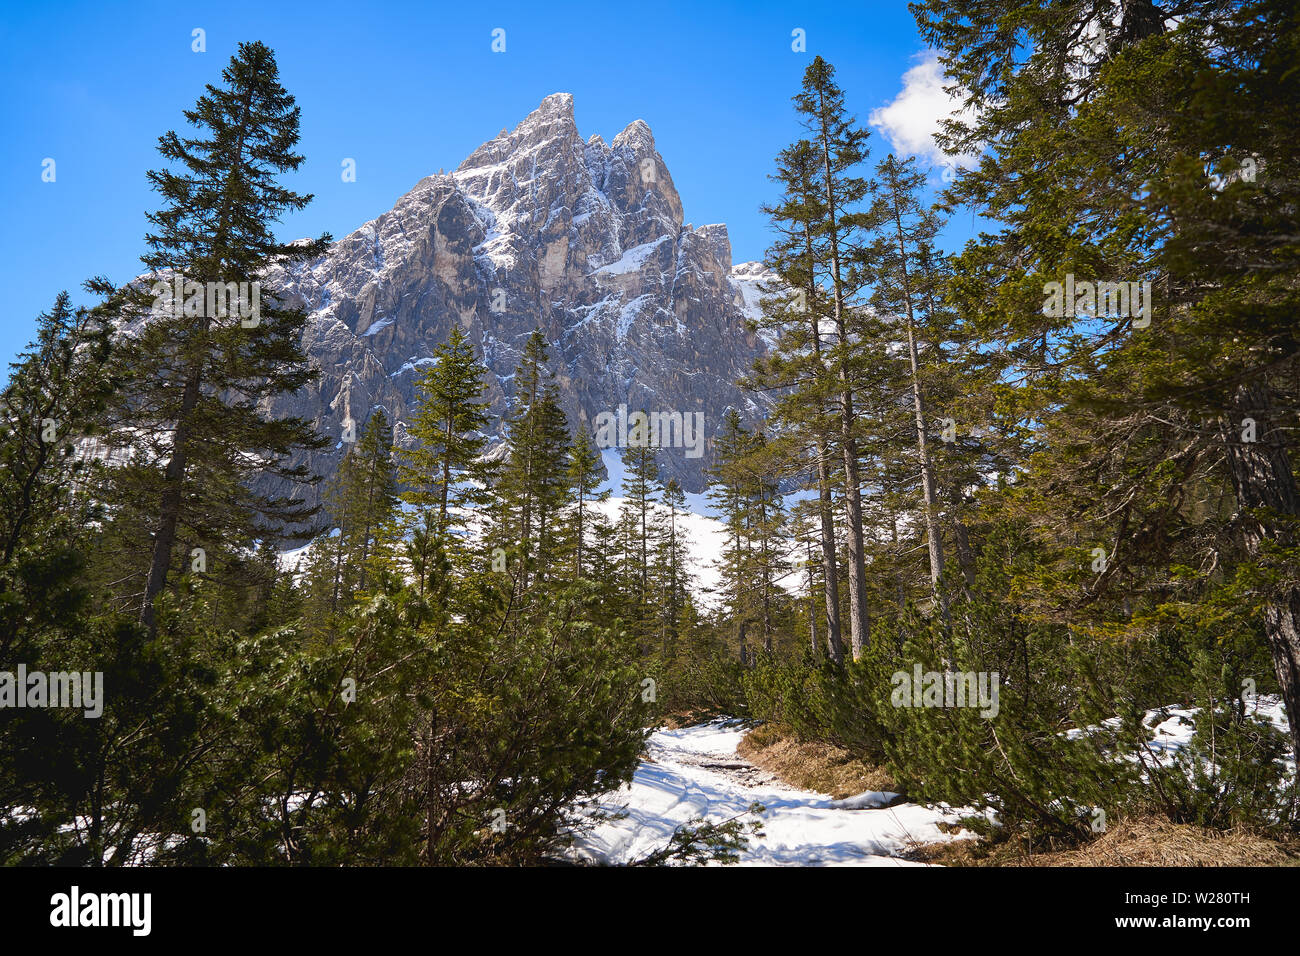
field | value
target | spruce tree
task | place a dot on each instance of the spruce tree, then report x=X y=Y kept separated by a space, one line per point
x=584 y=478
x=798 y=370
x=841 y=147
x=639 y=526
x=1144 y=158
x=199 y=372
x=450 y=419
x=641 y=491
x=902 y=228
x=56 y=392
x=729 y=487
x=671 y=559
x=360 y=498
x=533 y=486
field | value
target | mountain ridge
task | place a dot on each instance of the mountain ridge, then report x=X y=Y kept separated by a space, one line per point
x=537 y=228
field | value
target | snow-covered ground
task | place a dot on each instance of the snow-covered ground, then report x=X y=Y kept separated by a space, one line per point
x=695 y=772
x=1172 y=729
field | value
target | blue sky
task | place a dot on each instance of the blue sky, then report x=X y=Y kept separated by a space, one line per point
x=406 y=89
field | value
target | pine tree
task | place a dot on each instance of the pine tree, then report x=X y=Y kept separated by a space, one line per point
x=361 y=497
x=196 y=373
x=533 y=487
x=1143 y=157
x=671 y=559
x=56 y=390
x=804 y=523
x=840 y=145
x=448 y=426
x=767 y=526
x=641 y=491
x=903 y=227
x=584 y=478
x=637 y=521
x=443 y=476
x=797 y=367
x=729 y=491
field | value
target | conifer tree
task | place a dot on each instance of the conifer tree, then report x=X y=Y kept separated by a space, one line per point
x=902 y=228
x=641 y=491
x=361 y=497
x=442 y=469
x=729 y=491
x=201 y=366
x=639 y=525
x=841 y=147
x=798 y=368
x=584 y=479
x=533 y=486
x=1104 y=167
x=56 y=390
x=671 y=559
x=767 y=526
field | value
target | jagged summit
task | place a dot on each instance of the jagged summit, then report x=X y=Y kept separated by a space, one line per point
x=536 y=228
x=556 y=103
x=637 y=136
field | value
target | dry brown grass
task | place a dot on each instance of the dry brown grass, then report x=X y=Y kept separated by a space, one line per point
x=1148 y=841
x=823 y=768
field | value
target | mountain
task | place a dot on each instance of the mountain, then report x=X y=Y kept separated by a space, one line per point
x=536 y=229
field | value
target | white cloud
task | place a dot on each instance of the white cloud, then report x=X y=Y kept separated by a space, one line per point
x=912 y=119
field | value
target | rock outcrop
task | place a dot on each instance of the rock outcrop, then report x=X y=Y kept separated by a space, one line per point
x=537 y=229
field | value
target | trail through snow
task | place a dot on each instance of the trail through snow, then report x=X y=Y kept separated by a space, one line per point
x=696 y=772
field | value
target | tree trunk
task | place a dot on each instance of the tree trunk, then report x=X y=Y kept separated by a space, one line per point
x=164 y=538
x=1267 y=501
x=577 y=559
x=830 y=570
x=922 y=449
x=812 y=601
x=174 y=475
x=859 y=623
x=445 y=491
x=767 y=569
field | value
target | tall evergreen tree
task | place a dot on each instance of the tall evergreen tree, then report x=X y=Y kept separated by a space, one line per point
x=729 y=490
x=841 y=147
x=798 y=369
x=584 y=478
x=642 y=489
x=56 y=392
x=902 y=228
x=444 y=467
x=198 y=373
x=671 y=559
x=641 y=492
x=1102 y=166
x=533 y=488
x=360 y=498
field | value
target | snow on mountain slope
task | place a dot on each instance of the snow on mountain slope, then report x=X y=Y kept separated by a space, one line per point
x=536 y=229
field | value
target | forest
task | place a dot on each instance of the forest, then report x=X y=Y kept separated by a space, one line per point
x=1053 y=469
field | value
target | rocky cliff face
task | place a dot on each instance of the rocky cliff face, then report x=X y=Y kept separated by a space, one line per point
x=537 y=229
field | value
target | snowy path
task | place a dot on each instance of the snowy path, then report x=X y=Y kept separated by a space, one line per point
x=695 y=772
